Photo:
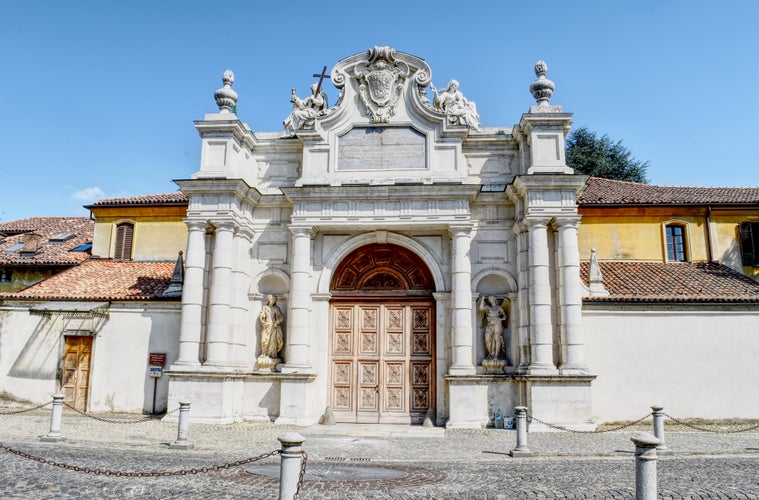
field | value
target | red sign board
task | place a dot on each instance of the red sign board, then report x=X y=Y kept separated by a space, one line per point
x=157 y=359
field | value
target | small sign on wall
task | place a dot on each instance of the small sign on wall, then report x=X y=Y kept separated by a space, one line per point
x=156 y=371
x=157 y=359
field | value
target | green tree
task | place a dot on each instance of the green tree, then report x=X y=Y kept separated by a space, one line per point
x=602 y=157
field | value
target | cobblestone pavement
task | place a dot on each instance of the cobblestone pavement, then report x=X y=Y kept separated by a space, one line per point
x=409 y=462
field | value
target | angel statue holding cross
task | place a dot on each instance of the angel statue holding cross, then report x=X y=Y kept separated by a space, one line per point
x=304 y=113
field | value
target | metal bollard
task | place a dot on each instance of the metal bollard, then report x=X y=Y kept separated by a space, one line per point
x=183 y=427
x=645 y=466
x=521 y=450
x=55 y=421
x=290 y=464
x=658 y=413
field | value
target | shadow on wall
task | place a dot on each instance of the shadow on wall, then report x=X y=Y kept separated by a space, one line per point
x=38 y=360
x=163 y=339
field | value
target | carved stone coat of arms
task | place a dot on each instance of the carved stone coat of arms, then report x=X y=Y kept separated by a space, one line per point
x=381 y=82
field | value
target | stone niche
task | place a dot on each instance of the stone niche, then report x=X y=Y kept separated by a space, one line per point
x=382 y=148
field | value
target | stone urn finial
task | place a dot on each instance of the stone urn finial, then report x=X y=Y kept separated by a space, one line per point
x=226 y=98
x=542 y=88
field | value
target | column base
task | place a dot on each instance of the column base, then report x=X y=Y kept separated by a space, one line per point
x=521 y=453
x=52 y=439
x=181 y=445
x=574 y=369
x=542 y=369
x=462 y=370
x=304 y=369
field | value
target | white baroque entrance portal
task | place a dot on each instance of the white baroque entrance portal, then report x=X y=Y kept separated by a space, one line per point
x=382 y=337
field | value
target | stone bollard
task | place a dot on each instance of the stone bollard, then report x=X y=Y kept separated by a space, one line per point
x=521 y=424
x=658 y=413
x=290 y=464
x=55 y=421
x=645 y=466
x=183 y=427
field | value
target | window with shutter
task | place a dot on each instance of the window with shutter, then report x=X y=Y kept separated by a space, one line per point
x=123 y=249
x=749 y=236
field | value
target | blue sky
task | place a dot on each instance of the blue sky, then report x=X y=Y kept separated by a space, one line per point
x=99 y=98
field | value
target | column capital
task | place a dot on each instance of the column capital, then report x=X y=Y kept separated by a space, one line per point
x=245 y=232
x=570 y=221
x=196 y=224
x=460 y=228
x=530 y=222
x=302 y=230
x=225 y=225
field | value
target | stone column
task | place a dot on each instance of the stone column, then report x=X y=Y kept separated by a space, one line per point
x=219 y=318
x=461 y=324
x=192 y=294
x=541 y=332
x=570 y=297
x=240 y=304
x=523 y=303
x=298 y=328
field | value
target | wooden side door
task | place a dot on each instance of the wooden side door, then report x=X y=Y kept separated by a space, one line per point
x=76 y=370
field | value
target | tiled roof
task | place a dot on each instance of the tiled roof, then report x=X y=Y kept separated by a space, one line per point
x=600 y=191
x=103 y=280
x=49 y=253
x=176 y=198
x=673 y=282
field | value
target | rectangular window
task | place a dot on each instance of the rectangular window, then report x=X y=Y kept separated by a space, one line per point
x=123 y=250
x=675 y=243
x=6 y=275
x=749 y=235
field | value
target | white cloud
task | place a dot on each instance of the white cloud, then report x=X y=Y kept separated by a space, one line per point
x=90 y=194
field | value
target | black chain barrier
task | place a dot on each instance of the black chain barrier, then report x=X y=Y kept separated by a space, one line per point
x=302 y=475
x=576 y=431
x=151 y=418
x=16 y=412
x=120 y=473
x=531 y=417
x=713 y=431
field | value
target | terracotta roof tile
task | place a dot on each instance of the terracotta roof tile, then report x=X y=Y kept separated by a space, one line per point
x=103 y=280
x=50 y=253
x=673 y=282
x=600 y=191
x=176 y=198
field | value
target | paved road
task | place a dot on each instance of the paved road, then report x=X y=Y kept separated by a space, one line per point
x=398 y=462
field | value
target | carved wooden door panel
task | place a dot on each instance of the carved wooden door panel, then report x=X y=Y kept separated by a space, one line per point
x=76 y=370
x=382 y=361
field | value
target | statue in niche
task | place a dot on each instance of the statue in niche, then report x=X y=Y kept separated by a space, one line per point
x=305 y=111
x=271 y=319
x=493 y=316
x=459 y=109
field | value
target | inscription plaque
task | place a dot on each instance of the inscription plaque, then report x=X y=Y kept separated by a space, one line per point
x=382 y=148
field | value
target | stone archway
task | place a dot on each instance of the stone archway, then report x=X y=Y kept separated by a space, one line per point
x=382 y=336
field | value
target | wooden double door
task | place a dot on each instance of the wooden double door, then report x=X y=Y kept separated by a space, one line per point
x=76 y=370
x=382 y=360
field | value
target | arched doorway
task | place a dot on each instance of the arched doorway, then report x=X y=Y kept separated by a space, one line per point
x=382 y=337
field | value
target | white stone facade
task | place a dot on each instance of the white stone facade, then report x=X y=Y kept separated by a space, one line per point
x=272 y=214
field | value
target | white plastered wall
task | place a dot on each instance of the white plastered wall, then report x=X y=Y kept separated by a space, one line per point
x=697 y=363
x=31 y=348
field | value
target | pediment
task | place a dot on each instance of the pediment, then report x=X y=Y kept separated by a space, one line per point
x=389 y=125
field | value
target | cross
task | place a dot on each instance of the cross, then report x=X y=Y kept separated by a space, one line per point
x=321 y=79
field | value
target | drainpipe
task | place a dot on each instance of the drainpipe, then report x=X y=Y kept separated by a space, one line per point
x=709 y=233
